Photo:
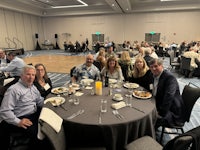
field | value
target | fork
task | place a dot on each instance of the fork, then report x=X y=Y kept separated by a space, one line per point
x=116 y=113
x=121 y=116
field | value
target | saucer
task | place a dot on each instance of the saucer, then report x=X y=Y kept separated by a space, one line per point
x=117 y=99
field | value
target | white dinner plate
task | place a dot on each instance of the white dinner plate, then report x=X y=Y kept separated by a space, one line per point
x=131 y=85
x=59 y=90
x=140 y=95
x=75 y=86
x=55 y=101
x=87 y=81
x=112 y=81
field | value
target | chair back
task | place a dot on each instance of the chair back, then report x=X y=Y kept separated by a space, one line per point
x=190 y=95
x=185 y=63
x=179 y=143
x=171 y=56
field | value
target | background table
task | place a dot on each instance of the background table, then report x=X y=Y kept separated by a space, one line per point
x=113 y=133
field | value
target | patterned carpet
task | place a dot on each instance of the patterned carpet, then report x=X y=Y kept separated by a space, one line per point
x=59 y=79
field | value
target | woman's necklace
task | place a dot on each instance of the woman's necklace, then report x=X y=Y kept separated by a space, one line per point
x=41 y=81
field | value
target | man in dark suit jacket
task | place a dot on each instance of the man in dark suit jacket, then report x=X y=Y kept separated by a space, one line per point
x=169 y=103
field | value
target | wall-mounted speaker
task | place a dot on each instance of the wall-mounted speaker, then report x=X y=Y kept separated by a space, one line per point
x=56 y=36
x=36 y=36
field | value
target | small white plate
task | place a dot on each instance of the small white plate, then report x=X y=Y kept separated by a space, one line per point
x=55 y=101
x=117 y=99
x=59 y=90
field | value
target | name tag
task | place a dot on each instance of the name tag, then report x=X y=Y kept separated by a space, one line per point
x=151 y=86
x=46 y=87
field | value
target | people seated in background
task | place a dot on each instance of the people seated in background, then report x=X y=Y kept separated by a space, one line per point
x=196 y=47
x=126 y=65
x=141 y=74
x=83 y=47
x=71 y=46
x=3 y=59
x=193 y=55
x=42 y=81
x=20 y=109
x=169 y=103
x=109 y=50
x=14 y=68
x=147 y=53
x=101 y=58
x=97 y=46
x=112 y=69
x=77 y=46
x=182 y=48
x=65 y=46
x=153 y=53
x=86 y=70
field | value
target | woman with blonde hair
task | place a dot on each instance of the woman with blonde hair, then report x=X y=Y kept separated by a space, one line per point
x=101 y=58
x=126 y=65
x=141 y=74
x=112 y=69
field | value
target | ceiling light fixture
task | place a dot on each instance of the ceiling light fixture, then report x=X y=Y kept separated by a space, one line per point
x=169 y=0
x=83 y=4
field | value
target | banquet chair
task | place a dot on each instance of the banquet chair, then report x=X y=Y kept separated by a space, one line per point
x=185 y=67
x=148 y=143
x=190 y=95
x=172 y=62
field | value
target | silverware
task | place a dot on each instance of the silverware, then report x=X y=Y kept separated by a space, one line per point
x=100 y=121
x=137 y=109
x=116 y=113
x=61 y=106
x=119 y=114
x=76 y=114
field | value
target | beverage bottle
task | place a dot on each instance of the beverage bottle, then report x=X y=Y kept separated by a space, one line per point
x=106 y=80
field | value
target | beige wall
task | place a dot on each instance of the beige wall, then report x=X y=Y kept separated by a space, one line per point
x=173 y=26
x=21 y=26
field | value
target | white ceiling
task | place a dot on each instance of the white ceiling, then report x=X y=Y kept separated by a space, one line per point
x=96 y=7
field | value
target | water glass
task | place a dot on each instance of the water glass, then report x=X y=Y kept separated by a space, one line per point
x=76 y=101
x=129 y=101
x=103 y=105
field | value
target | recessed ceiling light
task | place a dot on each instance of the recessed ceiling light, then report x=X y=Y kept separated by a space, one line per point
x=113 y=4
x=83 y=4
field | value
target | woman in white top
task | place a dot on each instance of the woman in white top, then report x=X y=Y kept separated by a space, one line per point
x=112 y=69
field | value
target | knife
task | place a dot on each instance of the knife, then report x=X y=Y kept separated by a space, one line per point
x=137 y=109
x=76 y=114
x=100 y=117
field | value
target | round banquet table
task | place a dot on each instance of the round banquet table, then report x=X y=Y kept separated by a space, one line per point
x=112 y=133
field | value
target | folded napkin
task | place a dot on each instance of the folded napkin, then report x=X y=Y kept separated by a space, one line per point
x=50 y=117
x=78 y=94
x=118 y=105
x=88 y=88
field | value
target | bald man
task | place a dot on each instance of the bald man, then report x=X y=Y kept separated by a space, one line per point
x=86 y=70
